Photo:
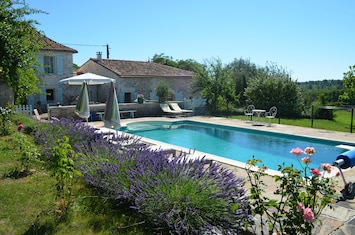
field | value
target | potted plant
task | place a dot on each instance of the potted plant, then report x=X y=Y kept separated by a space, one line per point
x=140 y=98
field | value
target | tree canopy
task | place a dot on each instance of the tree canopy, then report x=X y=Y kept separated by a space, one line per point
x=273 y=86
x=18 y=47
x=349 y=86
x=214 y=82
x=239 y=83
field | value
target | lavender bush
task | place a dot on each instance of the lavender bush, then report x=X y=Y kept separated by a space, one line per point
x=79 y=133
x=175 y=195
x=188 y=197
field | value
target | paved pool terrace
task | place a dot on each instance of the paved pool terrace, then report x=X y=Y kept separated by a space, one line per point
x=337 y=221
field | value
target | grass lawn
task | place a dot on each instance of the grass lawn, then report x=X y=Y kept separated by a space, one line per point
x=28 y=201
x=342 y=122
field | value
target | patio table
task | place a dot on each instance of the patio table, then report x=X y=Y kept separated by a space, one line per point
x=258 y=113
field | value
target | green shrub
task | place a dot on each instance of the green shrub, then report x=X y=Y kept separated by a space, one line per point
x=5 y=120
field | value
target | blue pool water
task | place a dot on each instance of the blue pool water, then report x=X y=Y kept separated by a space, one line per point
x=238 y=144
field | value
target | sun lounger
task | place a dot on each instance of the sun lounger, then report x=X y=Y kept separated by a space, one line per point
x=166 y=109
x=176 y=107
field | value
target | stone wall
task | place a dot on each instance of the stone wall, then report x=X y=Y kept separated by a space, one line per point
x=148 y=109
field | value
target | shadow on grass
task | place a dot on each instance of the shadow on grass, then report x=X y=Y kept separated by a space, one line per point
x=41 y=229
x=17 y=174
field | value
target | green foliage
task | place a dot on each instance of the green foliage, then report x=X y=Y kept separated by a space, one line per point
x=323 y=113
x=216 y=85
x=65 y=171
x=349 y=86
x=18 y=48
x=28 y=151
x=5 y=121
x=242 y=71
x=273 y=87
x=163 y=91
x=326 y=92
x=301 y=196
x=163 y=59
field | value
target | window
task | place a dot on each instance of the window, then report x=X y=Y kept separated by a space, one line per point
x=50 y=94
x=127 y=97
x=49 y=64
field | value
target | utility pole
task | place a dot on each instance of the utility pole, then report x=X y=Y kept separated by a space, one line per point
x=107 y=51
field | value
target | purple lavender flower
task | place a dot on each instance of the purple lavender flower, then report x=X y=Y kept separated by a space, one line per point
x=172 y=192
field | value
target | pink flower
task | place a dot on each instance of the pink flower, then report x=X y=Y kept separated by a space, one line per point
x=315 y=172
x=308 y=215
x=309 y=150
x=306 y=160
x=327 y=167
x=297 y=151
x=20 y=127
x=300 y=206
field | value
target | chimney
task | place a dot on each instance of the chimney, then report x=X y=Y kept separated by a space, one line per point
x=99 y=55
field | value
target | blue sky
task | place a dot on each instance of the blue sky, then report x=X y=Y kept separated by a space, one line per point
x=312 y=39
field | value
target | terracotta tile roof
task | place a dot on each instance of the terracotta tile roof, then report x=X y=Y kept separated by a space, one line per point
x=127 y=68
x=51 y=45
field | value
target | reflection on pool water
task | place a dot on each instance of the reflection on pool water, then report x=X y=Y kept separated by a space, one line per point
x=235 y=143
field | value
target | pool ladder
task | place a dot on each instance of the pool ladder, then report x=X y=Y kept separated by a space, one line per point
x=348 y=191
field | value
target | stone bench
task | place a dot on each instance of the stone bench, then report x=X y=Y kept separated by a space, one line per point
x=131 y=112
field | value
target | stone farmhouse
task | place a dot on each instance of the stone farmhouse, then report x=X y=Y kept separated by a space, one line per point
x=132 y=78
x=55 y=63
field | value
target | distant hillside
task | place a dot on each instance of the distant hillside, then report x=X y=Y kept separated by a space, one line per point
x=322 y=85
x=325 y=92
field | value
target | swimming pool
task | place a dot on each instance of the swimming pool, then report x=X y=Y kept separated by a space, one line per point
x=239 y=144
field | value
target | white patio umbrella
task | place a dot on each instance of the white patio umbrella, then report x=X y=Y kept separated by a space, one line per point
x=82 y=108
x=112 y=111
x=89 y=78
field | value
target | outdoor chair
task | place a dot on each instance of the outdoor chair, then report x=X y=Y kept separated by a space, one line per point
x=249 y=111
x=176 y=107
x=38 y=117
x=271 y=114
x=166 y=109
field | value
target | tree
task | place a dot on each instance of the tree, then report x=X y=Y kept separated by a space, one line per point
x=273 y=86
x=241 y=72
x=18 y=47
x=163 y=91
x=349 y=86
x=215 y=83
x=165 y=60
